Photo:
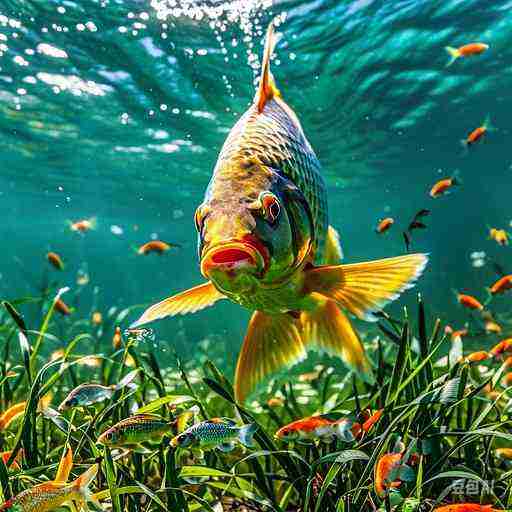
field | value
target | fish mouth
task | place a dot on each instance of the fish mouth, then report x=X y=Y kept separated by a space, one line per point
x=233 y=256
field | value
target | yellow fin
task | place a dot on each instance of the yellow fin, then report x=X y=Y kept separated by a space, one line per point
x=365 y=288
x=454 y=54
x=329 y=329
x=189 y=301
x=11 y=414
x=272 y=342
x=333 y=251
x=65 y=465
x=82 y=484
x=267 y=88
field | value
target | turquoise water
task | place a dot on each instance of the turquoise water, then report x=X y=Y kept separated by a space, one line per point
x=118 y=109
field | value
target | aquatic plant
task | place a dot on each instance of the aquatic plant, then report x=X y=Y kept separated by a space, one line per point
x=443 y=421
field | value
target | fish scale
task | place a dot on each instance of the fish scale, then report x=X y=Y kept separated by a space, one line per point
x=276 y=139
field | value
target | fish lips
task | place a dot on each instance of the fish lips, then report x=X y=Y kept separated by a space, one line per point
x=232 y=258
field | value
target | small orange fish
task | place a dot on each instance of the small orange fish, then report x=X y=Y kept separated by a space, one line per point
x=384 y=225
x=275 y=402
x=465 y=51
x=503 y=453
x=501 y=285
x=320 y=426
x=97 y=318
x=117 y=340
x=477 y=133
x=442 y=186
x=388 y=463
x=62 y=307
x=51 y=495
x=508 y=362
x=372 y=420
x=11 y=414
x=501 y=348
x=467 y=507
x=500 y=236
x=55 y=260
x=492 y=327
x=476 y=357
x=83 y=225
x=469 y=302
x=491 y=393
x=156 y=246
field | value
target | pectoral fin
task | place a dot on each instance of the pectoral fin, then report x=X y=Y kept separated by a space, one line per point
x=226 y=447
x=65 y=465
x=189 y=301
x=365 y=288
x=272 y=342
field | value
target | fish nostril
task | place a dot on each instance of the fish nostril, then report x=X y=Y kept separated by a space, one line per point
x=231 y=255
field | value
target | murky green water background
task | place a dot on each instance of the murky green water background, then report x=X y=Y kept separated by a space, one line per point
x=117 y=110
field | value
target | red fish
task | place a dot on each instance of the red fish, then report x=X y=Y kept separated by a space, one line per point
x=156 y=246
x=384 y=225
x=477 y=133
x=55 y=260
x=501 y=348
x=502 y=285
x=319 y=427
x=442 y=186
x=465 y=51
x=467 y=507
x=469 y=301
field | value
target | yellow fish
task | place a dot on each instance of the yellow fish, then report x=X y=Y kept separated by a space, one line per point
x=265 y=243
x=51 y=495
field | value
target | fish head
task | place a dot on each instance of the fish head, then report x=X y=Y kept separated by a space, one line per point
x=259 y=233
x=287 y=434
x=72 y=400
x=183 y=440
x=109 y=438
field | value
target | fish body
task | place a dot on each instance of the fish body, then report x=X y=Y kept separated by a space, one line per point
x=10 y=414
x=504 y=453
x=442 y=186
x=265 y=243
x=84 y=225
x=501 y=348
x=215 y=433
x=386 y=465
x=372 y=420
x=467 y=507
x=500 y=236
x=477 y=357
x=117 y=339
x=319 y=427
x=97 y=318
x=156 y=246
x=384 y=225
x=468 y=301
x=492 y=327
x=466 y=50
x=137 y=429
x=55 y=260
x=87 y=394
x=51 y=495
x=501 y=285
x=477 y=134
x=62 y=307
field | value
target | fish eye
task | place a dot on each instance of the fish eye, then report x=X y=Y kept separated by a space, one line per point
x=271 y=207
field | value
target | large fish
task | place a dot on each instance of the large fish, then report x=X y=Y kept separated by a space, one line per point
x=265 y=243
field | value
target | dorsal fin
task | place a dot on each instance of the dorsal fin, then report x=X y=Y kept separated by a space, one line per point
x=267 y=88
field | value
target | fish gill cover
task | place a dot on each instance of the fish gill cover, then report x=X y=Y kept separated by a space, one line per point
x=112 y=115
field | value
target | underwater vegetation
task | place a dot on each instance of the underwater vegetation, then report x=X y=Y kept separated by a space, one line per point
x=117 y=430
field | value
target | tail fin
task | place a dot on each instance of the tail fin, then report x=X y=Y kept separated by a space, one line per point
x=65 y=465
x=488 y=124
x=329 y=329
x=454 y=54
x=82 y=484
x=267 y=88
x=272 y=342
x=246 y=434
x=365 y=288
